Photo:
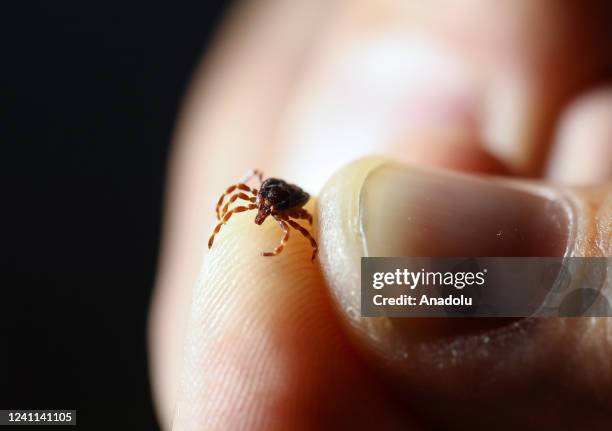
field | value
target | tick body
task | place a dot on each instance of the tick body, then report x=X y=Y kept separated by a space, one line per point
x=275 y=198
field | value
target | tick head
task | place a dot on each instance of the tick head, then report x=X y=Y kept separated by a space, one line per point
x=261 y=216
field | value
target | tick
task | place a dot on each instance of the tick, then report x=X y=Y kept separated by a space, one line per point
x=275 y=198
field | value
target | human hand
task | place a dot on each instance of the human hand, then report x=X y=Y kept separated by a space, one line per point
x=299 y=90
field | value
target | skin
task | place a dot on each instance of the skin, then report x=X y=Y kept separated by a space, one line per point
x=268 y=343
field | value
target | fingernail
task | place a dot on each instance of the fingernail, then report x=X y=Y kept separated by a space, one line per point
x=376 y=207
x=411 y=211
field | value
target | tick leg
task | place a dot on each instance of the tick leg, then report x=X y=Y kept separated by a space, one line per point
x=226 y=217
x=284 y=240
x=309 y=237
x=240 y=195
x=230 y=189
x=301 y=213
x=254 y=173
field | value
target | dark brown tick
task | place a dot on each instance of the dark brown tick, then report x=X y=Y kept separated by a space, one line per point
x=276 y=198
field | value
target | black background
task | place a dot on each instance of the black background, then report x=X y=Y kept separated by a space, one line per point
x=90 y=92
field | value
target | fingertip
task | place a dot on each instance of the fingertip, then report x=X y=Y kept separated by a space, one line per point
x=257 y=328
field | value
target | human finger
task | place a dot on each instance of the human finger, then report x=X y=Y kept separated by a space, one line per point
x=582 y=151
x=472 y=373
x=264 y=347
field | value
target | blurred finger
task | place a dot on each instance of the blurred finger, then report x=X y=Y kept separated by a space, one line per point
x=582 y=153
x=471 y=73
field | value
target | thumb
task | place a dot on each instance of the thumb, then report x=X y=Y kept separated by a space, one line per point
x=375 y=207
